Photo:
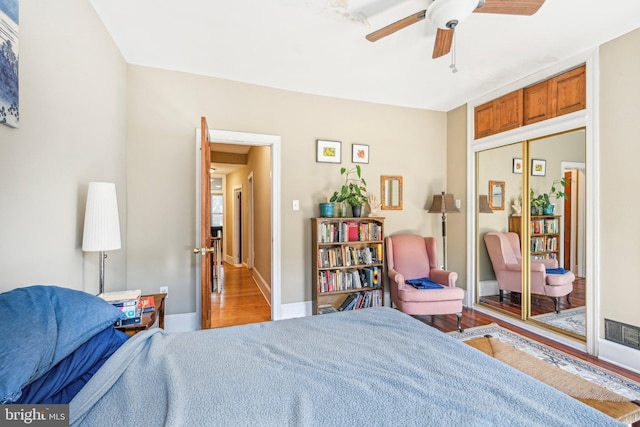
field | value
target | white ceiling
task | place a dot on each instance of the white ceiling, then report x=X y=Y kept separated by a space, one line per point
x=319 y=46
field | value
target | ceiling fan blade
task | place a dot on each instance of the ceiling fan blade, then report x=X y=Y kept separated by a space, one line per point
x=510 y=7
x=442 y=46
x=398 y=25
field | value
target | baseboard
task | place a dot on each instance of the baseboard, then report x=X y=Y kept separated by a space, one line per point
x=619 y=355
x=296 y=309
x=488 y=287
x=183 y=322
x=262 y=284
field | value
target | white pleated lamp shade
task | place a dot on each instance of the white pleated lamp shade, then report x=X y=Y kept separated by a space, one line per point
x=101 y=222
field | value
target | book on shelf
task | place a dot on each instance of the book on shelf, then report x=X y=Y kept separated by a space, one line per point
x=129 y=321
x=146 y=303
x=121 y=296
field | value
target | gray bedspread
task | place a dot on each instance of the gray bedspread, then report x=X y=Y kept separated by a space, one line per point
x=373 y=367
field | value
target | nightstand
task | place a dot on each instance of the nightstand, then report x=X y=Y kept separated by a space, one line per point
x=151 y=319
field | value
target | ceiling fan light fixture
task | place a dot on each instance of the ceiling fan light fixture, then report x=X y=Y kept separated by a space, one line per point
x=442 y=13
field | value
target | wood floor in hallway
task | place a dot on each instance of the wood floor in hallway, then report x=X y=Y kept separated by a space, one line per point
x=240 y=300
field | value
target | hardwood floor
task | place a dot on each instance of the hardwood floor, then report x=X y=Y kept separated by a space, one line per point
x=241 y=302
x=540 y=304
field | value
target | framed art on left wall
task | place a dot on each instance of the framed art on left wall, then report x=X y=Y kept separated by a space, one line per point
x=9 y=104
x=328 y=151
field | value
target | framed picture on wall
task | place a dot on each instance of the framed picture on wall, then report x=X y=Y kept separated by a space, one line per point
x=517 y=165
x=360 y=153
x=328 y=151
x=538 y=167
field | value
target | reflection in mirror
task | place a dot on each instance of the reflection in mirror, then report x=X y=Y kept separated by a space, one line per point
x=496 y=165
x=496 y=195
x=391 y=191
x=560 y=235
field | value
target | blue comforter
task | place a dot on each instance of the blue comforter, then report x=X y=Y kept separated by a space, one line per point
x=366 y=367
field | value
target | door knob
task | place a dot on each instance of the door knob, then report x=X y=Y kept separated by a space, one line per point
x=203 y=251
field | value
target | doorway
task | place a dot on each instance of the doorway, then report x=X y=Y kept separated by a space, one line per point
x=273 y=142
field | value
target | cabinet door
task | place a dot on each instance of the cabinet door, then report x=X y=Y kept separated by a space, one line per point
x=509 y=111
x=570 y=91
x=537 y=103
x=484 y=120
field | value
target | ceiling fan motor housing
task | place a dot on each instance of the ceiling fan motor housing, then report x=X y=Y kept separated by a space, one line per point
x=446 y=14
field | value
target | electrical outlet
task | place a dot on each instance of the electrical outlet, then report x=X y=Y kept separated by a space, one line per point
x=164 y=290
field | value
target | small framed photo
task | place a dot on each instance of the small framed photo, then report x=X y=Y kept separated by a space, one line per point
x=328 y=151
x=360 y=153
x=517 y=165
x=538 y=167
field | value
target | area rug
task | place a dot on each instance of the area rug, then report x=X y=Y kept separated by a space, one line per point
x=571 y=320
x=607 y=379
x=606 y=391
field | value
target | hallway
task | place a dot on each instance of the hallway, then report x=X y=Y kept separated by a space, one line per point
x=240 y=301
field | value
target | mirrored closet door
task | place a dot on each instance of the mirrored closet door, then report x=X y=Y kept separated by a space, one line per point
x=542 y=228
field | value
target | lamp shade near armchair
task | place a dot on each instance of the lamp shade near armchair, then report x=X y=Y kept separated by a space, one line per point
x=411 y=257
x=506 y=259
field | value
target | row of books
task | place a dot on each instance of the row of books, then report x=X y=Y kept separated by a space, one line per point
x=357 y=301
x=347 y=256
x=349 y=231
x=550 y=255
x=544 y=244
x=544 y=226
x=131 y=303
x=337 y=280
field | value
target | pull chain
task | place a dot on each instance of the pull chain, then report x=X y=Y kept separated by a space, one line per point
x=453 y=55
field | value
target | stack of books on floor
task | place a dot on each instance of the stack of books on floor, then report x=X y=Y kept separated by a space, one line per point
x=129 y=303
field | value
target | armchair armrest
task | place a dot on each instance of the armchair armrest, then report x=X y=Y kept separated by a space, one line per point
x=513 y=267
x=396 y=277
x=444 y=277
x=548 y=263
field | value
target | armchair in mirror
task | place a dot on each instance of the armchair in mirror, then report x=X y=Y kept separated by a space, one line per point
x=391 y=192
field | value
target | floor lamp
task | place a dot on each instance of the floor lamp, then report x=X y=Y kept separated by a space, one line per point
x=483 y=205
x=444 y=204
x=101 y=223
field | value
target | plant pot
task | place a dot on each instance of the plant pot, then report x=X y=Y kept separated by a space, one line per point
x=342 y=210
x=548 y=210
x=357 y=211
x=327 y=210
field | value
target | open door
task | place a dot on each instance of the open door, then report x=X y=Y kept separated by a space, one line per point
x=205 y=225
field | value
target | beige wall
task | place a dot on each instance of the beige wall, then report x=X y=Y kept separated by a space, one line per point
x=619 y=177
x=164 y=108
x=457 y=185
x=72 y=131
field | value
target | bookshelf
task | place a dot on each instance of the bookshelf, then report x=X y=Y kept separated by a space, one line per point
x=348 y=263
x=545 y=235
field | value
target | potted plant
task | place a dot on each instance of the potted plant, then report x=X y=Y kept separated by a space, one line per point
x=353 y=191
x=542 y=202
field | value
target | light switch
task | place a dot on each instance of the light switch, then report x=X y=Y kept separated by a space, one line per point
x=296 y=205
x=458 y=203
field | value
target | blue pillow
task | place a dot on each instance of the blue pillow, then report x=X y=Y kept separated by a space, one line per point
x=62 y=382
x=40 y=326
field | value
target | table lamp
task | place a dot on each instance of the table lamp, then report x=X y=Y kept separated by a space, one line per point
x=101 y=223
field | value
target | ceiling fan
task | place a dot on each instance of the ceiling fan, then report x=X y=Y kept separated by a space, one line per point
x=447 y=14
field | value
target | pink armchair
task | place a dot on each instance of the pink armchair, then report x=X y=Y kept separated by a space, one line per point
x=410 y=257
x=506 y=258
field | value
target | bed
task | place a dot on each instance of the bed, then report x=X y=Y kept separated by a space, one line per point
x=365 y=367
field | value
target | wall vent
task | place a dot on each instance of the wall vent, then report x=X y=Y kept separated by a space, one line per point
x=622 y=333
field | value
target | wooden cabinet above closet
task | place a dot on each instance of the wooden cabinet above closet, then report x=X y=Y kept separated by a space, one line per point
x=562 y=94
x=559 y=95
x=499 y=115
